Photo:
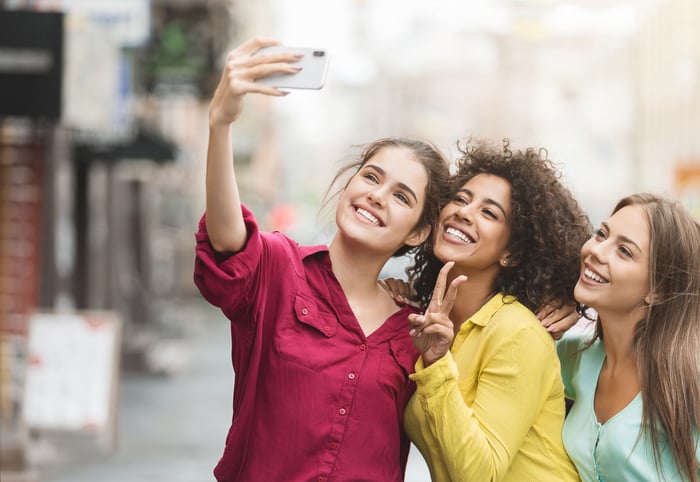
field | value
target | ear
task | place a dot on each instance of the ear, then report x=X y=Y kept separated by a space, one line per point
x=507 y=261
x=651 y=299
x=418 y=236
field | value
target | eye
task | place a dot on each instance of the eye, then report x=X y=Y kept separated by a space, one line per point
x=600 y=234
x=624 y=251
x=489 y=213
x=371 y=177
x=458 y=199
x=402 y=197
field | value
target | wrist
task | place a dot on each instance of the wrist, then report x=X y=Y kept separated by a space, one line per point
x=430 y=358
x=219 y=127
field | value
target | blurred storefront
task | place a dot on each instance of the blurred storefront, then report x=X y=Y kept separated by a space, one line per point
x=102 y=109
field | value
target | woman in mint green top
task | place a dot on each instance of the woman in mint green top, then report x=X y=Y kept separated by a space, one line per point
x=604 y=452
x=635 y=379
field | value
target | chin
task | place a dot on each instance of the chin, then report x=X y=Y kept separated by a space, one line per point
x=440 y=255
x=581 y=297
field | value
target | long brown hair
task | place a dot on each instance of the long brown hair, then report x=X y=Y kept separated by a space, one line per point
x=667 y=340
x=427 y=154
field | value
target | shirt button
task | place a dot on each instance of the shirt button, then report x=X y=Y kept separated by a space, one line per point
x=342 y=411
x=326 y=328
x=351 y=376
x=304 y=311
x=321 y=478
x=363 y=347
x=333 y=445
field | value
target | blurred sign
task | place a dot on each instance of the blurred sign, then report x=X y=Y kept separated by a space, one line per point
x=72 y=372
x=31 y=63
x=127 y=21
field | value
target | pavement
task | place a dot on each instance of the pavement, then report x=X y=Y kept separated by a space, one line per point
x=170 y=428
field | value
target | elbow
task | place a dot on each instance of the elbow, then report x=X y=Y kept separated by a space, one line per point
x=226 y=240
x=226 y=247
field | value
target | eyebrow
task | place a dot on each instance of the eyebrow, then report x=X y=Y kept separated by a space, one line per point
x=400 y=184
x=490 y=201
x=624 y=239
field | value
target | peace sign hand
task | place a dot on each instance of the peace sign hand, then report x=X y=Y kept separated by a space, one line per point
x=433 y=332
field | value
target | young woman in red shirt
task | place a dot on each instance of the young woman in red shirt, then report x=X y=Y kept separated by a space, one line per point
x=321 y=353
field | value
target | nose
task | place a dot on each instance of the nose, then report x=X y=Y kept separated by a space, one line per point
x=599 y=250
x=465 y=212
x=377 y=196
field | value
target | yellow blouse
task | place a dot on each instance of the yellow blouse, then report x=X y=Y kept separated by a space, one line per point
x=492 y=409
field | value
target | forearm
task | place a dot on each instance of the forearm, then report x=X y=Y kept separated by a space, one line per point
x=468 y=450
x=480 y=427
x=225 y=226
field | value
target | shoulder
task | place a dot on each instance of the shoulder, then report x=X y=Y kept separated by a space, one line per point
x=514 y=332
x=576 y=357
x=512 y=319
x=576 y=338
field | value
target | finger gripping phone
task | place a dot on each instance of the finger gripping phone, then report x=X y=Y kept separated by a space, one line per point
x=314 y=66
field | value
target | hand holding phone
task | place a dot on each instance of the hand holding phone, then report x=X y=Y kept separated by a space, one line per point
x=314 y=66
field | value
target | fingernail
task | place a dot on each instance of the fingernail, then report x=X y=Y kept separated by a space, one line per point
x=412 y=331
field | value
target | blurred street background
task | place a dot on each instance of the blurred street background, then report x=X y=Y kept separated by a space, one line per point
x=112 y=367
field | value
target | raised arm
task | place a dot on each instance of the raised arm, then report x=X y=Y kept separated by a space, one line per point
x=224 y=220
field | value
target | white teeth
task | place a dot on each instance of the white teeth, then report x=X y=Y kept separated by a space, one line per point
x=367 y=215
x=593 y=277
x=458 y=234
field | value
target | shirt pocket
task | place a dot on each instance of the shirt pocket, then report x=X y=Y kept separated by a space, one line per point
x=308 y=338
x=394 y=368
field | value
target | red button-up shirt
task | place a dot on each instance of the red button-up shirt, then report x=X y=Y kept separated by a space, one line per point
x=314 y=398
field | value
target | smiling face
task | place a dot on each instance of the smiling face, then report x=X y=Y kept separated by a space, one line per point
x=615 y=265
x=381 y=205
x=474 y=227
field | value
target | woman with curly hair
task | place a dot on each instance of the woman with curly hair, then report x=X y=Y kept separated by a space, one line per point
x=489 y=403
x=636 y=379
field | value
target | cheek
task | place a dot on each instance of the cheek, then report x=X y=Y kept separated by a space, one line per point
x=498 y=235
x=640 y=283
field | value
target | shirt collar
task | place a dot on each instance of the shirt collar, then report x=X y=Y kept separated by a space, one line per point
x=486 y=312
x=307 y=251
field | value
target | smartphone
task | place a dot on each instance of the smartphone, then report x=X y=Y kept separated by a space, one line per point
x=314 y=65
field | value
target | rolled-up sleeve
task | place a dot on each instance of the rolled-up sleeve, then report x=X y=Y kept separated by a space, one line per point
x=225 y=281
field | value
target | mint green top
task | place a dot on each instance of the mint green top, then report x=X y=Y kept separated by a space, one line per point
x=605 y=452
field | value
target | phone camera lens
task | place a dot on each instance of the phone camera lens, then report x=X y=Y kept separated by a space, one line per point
x=319 y=53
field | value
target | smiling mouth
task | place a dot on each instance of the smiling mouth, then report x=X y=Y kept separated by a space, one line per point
x=368 y=216
x=591 y=276
x=459 y=235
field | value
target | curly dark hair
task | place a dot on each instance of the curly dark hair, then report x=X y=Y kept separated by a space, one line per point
x=548 y=227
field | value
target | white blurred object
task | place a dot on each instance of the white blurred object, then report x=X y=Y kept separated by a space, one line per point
x=91 y=85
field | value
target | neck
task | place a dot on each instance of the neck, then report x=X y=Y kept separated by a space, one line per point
x=618 y=336
x=355 y=267
x=471 y=296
